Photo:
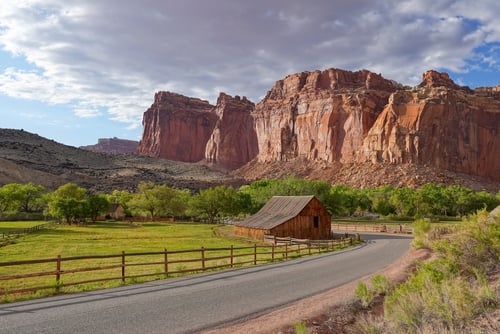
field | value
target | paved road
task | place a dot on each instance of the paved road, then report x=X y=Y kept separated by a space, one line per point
x=188 y=305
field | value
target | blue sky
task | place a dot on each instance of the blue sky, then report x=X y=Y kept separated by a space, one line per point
x=78 y=70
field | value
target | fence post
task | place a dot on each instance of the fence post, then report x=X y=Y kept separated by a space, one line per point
x=202 y=258
x=272 y=253
x=166 y=262
x=58 y=273
x=123 y=266
x=232 y=255
x=286 y=251
x=309 y=246
x=254 y=254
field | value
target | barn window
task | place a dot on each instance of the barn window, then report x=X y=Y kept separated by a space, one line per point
x=316 y=221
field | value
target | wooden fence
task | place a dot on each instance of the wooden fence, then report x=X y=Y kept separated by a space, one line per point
x=379 y=228
x=20 y=231
x=46 y=274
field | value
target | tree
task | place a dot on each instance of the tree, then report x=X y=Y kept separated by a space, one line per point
x=156 y=200
x=380 y=200
x=215 y=202
x=68 y=202
x=123 y=198
x=31 y=197
x=403 y=201
x=97 y=205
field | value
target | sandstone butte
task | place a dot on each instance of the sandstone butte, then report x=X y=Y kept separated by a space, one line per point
x=335 y=116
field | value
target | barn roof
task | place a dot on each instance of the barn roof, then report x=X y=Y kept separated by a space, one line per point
x=276 y=211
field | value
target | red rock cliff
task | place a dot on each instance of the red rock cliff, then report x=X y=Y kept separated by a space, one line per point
x=319 y=115
x=177 y=127
x=439 y=125
x=233 y=142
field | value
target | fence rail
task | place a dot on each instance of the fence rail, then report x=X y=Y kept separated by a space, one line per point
x=17 y=232
x=26 y=276
x=379 y=228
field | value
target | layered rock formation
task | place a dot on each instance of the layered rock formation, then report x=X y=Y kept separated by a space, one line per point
x=187 y=129
x=441 y=126
x=320 y=115
x=335 y=117
x=113 y=145
x=177 y=127
x=233 y=142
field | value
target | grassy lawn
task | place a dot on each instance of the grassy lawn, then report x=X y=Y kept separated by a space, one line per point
x=12 y=226
x=113 y=238
x=106 y=238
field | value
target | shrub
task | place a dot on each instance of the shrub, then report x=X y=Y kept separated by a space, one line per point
x=381 y=284
x=364 y=294
x=300 y=328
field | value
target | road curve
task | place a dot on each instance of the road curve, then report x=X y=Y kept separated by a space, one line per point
x=191 y=304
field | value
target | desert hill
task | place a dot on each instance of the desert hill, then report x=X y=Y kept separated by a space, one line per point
x=27 y=157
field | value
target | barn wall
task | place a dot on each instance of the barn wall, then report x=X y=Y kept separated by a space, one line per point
x=302 y=226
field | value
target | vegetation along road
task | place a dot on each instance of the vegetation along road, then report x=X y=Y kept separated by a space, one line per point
x=191 y=304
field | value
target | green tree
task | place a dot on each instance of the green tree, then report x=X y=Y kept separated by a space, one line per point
x=380 y=198
x=97 y=205
x=123 y=198
x=213 y=203
x=68 y=202
x=403 y=201
x=157 y=200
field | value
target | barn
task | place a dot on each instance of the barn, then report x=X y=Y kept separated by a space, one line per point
x=301 y=217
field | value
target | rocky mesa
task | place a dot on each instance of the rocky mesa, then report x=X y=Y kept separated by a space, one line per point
x=113 y=145
x=334 y=118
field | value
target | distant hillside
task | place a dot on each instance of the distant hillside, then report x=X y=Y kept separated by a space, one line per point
x=27 y=157
x=113 y=145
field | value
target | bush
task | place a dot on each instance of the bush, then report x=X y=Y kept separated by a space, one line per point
x=364 y=294
x=381 y=284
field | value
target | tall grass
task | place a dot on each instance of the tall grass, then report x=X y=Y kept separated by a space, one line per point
x=449 y=293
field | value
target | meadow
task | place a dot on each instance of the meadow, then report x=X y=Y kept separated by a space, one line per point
x=188 y=247
x=106 y=238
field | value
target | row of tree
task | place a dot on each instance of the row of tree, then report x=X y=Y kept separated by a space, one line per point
x=72 y=203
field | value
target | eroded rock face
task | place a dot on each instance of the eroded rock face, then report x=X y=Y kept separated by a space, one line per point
x=433 y=79
x=233 y=142
x=331 y=117
x=177 y=127
x=440 y=127
x=319 y=115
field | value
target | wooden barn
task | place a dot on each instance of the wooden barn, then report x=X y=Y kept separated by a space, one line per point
x=301 y=217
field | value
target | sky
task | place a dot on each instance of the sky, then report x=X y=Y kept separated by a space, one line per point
x=78 y=70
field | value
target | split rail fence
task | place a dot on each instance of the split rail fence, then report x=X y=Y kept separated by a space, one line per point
x=56 y=274
x=17 y=232
x=379 y=228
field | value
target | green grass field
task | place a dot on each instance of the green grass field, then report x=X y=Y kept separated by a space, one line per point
x=12 y=226
x=113 y=238
x=106 y=238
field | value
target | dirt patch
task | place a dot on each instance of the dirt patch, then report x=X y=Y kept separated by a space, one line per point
x=329 y=312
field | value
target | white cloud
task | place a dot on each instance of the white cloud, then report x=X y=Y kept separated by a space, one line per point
x=113 y=55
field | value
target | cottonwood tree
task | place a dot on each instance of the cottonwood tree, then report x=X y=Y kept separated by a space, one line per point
x=68 y=202
x=159 y=200
x=213 y=203
x=96 y=205
x=16 y=197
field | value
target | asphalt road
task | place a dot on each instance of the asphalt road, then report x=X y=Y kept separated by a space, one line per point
x=191 y=304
